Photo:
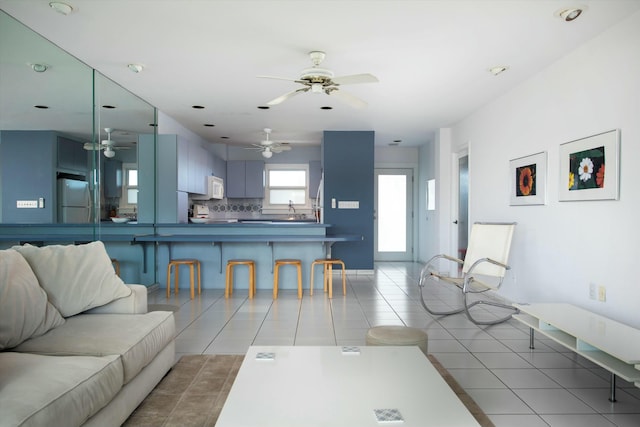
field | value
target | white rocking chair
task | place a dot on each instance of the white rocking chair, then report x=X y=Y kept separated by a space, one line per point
x=483 y=269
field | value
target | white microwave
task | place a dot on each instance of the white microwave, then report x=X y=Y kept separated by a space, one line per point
x=215 y=189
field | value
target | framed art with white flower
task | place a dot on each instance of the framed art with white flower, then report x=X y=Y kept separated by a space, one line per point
x=529 y=180
x=590 y=168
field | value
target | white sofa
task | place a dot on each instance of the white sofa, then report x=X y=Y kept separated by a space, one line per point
x=77 y=346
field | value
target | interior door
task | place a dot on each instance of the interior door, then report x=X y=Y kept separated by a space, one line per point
x=461 y=221
x=393 y=219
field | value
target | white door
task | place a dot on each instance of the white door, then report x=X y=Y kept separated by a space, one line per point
x=393 y=219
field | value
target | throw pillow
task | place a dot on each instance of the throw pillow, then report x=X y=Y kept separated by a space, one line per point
x=24 y=309
x=75 y=277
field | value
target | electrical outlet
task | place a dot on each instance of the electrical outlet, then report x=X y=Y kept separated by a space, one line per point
x=602 y=293
x=592 y=291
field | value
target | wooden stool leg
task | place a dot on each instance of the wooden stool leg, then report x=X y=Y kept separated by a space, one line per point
x=253 y=280
x=176 y=276
x=169 y=281
x=313 y=264
x=344 y=280
x=199 y=289
x=192 y=279
x=330 y=279
x=229 y=281
x=275 y=281
x=299 y=268
x=325 y=267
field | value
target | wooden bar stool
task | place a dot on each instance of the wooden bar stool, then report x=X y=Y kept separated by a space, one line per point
x=327 y=274
x=116 y=265
x=280 y=262
x=192 y=263
x=228 y=287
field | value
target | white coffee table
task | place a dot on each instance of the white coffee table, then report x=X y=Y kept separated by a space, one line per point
x=327 y=386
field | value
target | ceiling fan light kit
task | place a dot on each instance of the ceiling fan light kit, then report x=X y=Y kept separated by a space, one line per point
x=107 y=145
x=319 y=80
x=267 y=147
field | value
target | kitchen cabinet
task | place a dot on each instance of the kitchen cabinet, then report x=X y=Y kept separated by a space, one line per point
x=112 y=178
x=200 y=161
x=72 y=158
x=245 y=179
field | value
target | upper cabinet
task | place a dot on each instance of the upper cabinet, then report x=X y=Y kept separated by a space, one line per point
x=245 y=179
x=72 y=157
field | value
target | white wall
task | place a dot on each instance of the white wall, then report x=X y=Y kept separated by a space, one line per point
x=560 y=248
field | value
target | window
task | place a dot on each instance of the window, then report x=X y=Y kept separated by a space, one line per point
x=286 y=184
x=130 y=187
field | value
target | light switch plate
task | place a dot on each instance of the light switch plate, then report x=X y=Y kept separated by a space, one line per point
x=346 y=204
x=27 y=204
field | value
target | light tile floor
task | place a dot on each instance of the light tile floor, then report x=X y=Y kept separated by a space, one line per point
x=515 y=386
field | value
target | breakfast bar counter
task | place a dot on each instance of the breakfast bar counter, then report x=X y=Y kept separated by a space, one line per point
x=144 y=250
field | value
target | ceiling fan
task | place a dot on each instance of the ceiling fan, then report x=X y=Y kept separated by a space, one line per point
x=268 y=147
x=319 y=80
x=108 y=145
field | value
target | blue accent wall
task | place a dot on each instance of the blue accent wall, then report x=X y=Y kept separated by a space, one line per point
x=348 y=161
x=27 y=160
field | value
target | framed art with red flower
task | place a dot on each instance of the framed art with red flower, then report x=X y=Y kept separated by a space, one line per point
x=590 y=168
x=529 y=180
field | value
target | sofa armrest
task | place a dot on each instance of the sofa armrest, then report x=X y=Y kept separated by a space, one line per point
x=136 y=303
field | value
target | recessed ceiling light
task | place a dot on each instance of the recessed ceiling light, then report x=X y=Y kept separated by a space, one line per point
x=39 y=68
x=42 y=107
x=498 y=69
x=326 y=108
x=109 y=107
x=197 y=107
x=569 y=14
x=61 y=7
x=209 y=125
x=136 y=68
x=263 y=107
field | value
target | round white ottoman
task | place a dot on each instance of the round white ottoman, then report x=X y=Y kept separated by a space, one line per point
x=398 y=335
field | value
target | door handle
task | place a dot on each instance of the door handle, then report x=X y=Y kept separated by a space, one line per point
x=455 y=222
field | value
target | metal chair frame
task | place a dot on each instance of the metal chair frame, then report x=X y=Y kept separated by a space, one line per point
x=470 y=282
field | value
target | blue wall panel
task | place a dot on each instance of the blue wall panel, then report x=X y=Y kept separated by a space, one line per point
x=348 y=159
x=27 y=166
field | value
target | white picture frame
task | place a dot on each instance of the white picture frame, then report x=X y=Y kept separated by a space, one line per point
x=528 y=180
x=582 y=168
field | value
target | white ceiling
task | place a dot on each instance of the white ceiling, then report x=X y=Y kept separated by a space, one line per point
x=431 y=57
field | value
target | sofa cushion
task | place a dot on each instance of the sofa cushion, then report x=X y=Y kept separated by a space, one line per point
x=138 y=338
x=24 y=309
x=75 y=277
x=38 y=390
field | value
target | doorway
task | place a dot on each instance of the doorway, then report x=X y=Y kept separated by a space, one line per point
x=393 y=219
x=461 y=216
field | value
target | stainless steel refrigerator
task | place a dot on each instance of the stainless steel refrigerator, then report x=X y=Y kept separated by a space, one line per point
x=74 y=202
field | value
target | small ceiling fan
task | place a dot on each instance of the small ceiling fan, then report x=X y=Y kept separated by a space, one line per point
x=322 y=80
x=108 y=145
x=268 y=147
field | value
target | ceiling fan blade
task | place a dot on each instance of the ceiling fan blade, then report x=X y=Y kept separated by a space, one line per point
x=286 y=96
x=354 y=79
x=281 y=148
x=90 y=146
x=347 y=98
x=277 y=78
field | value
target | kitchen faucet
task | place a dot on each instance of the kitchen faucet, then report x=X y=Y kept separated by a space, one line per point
x=291 y=208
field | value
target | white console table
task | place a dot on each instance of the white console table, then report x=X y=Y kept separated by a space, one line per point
x=332 y=386
x=612 y=345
